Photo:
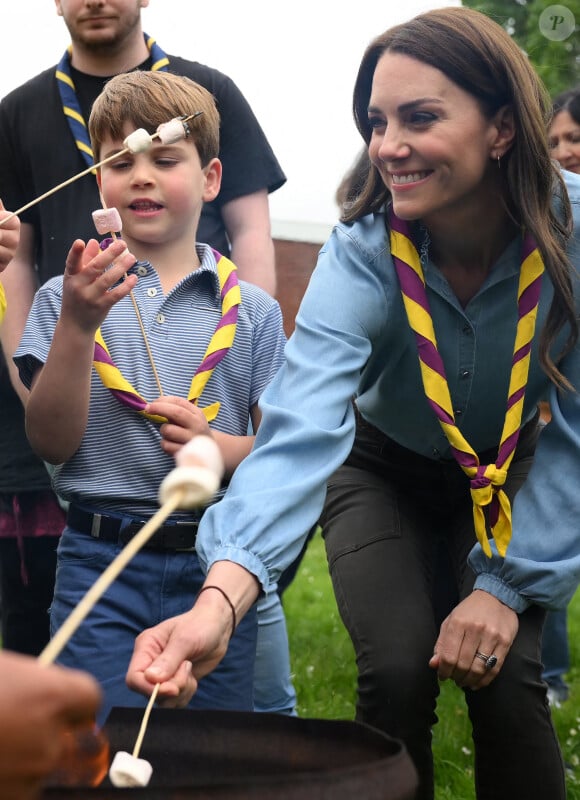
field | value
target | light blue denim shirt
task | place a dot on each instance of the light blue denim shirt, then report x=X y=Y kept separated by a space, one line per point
x=352 y=339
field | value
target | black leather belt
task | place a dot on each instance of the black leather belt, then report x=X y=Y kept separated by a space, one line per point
x=172 y=536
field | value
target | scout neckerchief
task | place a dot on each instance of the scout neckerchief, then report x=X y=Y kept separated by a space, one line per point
x=70 y=103
x=220 y=343
x=2 y=302
x=486 y=481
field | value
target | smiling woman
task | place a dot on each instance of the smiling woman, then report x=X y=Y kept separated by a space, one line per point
x=445 y=304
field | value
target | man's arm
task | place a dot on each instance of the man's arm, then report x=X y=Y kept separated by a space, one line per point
x=247 y=221
x=20 y=284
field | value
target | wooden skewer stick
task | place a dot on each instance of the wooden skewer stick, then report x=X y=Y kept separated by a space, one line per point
x=80 y=175
x=144 y=722
x=139 y=319
x=97 y=590
x=147 y=346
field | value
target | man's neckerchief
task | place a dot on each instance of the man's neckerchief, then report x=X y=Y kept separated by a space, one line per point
x=70 y=102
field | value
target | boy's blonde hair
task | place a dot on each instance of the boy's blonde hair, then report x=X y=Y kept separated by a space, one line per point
x=147 y=99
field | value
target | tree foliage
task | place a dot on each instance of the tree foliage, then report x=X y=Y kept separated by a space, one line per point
x=557 y=62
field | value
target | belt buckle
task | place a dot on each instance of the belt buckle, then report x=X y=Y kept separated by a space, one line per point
x=96 y=526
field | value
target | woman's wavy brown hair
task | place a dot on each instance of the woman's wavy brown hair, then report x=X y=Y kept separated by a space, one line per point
x=479 y=56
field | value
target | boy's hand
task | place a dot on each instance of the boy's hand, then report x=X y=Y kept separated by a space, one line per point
x=184 y=421
x=93 y=282
x=9 y=238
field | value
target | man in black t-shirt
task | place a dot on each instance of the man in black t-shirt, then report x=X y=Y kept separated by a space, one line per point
x=39 y=148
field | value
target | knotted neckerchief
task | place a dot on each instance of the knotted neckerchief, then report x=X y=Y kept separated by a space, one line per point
x=486 y=481
x=220 y=343
x=70 y=103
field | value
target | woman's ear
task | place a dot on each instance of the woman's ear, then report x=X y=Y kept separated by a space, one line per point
x=505 y=132
x=213 y=179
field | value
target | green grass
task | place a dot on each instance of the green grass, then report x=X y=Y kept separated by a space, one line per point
x=325 y=679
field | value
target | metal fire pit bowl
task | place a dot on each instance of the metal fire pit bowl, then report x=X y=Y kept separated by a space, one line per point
x=204 y=755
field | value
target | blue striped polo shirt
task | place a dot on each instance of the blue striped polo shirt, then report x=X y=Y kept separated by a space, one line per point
x=120 y=464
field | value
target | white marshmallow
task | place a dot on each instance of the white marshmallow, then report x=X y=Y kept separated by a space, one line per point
x=107 y=220
x=126 y=770
x=138 y=141
x=171 y=132
x=201 y=451
x=199 y=485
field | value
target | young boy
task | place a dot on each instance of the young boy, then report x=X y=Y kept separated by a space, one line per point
x=153 y=328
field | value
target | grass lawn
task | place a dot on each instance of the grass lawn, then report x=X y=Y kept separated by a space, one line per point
x=325 y=677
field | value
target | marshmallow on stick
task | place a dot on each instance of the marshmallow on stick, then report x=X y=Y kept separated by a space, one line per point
x=198 y=473
x=172 y=131
x=127 y=769
x=138 y=141
x=196 y=478
x=107 y=220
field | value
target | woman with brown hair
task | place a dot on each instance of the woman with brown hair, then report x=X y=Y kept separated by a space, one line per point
x=564 y=134
x=445 y=303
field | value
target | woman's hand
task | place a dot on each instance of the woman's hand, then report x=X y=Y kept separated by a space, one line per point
x=181 y=650
x=481 y=625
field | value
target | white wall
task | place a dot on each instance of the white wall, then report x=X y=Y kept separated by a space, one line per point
x=295 y=62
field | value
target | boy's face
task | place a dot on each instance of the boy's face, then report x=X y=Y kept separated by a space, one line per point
x=159 y=193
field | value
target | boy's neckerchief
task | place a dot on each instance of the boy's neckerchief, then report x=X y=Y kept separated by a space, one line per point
x=219 y=345
x=486 y=481
x=71 y=105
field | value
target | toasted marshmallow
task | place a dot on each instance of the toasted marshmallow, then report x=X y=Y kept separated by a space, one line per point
x=138 y=141
x=171 y=132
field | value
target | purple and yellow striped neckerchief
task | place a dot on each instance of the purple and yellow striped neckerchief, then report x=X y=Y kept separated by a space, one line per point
x=2 y=303
x=486 y=480
x=220 y=343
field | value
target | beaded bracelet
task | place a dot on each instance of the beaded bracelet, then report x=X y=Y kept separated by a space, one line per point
x=229 y=602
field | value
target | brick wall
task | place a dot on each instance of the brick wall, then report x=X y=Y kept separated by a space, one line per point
x=295 y=262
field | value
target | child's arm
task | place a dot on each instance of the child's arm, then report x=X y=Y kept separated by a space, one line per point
x=58 y=405
x=185 y=420
x=9 y=235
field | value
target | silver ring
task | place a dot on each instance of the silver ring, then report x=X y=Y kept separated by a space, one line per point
x=489 y=661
